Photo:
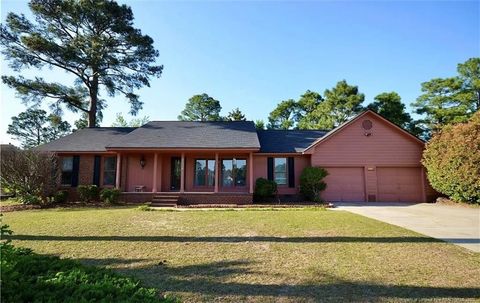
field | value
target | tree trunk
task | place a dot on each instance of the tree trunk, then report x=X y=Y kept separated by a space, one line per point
x=92 y=111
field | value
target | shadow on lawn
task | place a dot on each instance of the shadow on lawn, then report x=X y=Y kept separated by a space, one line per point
x=210 y=279
x=236 y=239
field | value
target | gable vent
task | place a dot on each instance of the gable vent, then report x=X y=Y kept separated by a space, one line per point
x=367 y=124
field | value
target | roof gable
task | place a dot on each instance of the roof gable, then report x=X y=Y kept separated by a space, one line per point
x=338 y=129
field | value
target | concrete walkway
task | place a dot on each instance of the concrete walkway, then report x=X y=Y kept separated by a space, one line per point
x=455 y=224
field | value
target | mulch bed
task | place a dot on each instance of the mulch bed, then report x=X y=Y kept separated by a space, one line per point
x=17 y=207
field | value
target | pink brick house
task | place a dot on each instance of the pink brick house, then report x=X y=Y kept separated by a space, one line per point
x=368 y=159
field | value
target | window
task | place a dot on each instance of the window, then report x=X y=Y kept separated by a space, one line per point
x=67 y=170
x=204 y=172
x=234 y=172
x=280 y=171
x=109 y=170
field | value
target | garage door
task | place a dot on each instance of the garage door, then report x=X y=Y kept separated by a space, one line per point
x=399 y=184
x=345 y=184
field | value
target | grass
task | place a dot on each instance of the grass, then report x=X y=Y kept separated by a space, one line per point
x=305 y=255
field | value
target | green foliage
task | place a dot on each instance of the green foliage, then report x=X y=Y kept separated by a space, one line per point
x=145 y=207
x=452 y=160
x=61 y=196
x=120 y=121
x=341 y=103
x=110 y=195
x=88 y=193
x=29 y=277
x=283 y=116
x=259 y=124
x=264 y=189
x=4 y=232
x=236 y=115
x=391 y=107
x=94 y=41
x=450 y=100
x=311 y=111
x=33 y=127
x=312 y=184
x=201 y=108
x=29 y=173
x=308 y=107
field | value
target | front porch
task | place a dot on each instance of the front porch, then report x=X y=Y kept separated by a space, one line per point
x=194 y=176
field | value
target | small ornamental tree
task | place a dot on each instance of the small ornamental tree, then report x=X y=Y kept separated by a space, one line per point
x=452 y=160
x=30 y=174
x=312 y=184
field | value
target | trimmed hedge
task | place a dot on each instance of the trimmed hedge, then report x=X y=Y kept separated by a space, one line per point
x=311 y=183
x=264 y=189
x=452 y=160
x=110 y=195
x=88 y=193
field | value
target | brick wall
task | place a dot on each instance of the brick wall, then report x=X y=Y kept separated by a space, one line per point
x=85 y=171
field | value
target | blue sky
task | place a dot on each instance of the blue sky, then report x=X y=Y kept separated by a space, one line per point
x=254 y=54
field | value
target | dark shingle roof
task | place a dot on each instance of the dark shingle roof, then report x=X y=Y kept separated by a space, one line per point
x=189 y=134
x=287 y=141
x=86 y=140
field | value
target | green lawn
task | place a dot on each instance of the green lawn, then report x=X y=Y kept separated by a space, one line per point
x=257 y=256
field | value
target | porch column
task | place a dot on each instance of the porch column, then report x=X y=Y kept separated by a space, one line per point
x=182 y=174
x=159 y=188
x=118 y=174
x=250 y=172
x=216 y=172
x=155 y=164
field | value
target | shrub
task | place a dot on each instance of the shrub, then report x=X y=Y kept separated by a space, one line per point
x=60 y=196
x=145 y=207
x=452 y=160
x=88 y=193
x=29 y=277
x=110 y=195
x=264 y=189
x=30 y=174
x=311 y=183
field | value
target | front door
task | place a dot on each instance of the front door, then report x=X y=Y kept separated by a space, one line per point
x=175 y=173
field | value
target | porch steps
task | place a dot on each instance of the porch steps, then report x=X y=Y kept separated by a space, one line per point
x=165 y=201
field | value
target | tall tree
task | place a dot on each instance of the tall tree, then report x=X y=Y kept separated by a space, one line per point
x=451 y=100
x=201 y=108
x=93 y=40
x=236 y=115
x=259 y=124
x=307 y=107
x=120 y=121
x=342 y=103
x=33 y=127
x=283 y=116
x=391 y=107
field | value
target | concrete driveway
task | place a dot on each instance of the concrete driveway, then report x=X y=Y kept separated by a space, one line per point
x=455 y=224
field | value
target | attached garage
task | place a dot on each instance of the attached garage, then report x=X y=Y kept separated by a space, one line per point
x=345 y=184
x=371 y=159
x=399 y=184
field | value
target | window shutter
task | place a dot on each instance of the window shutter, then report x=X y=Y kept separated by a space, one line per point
x=270 y=168
x=76 y=166
x=291 y=172
x=96 y=170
